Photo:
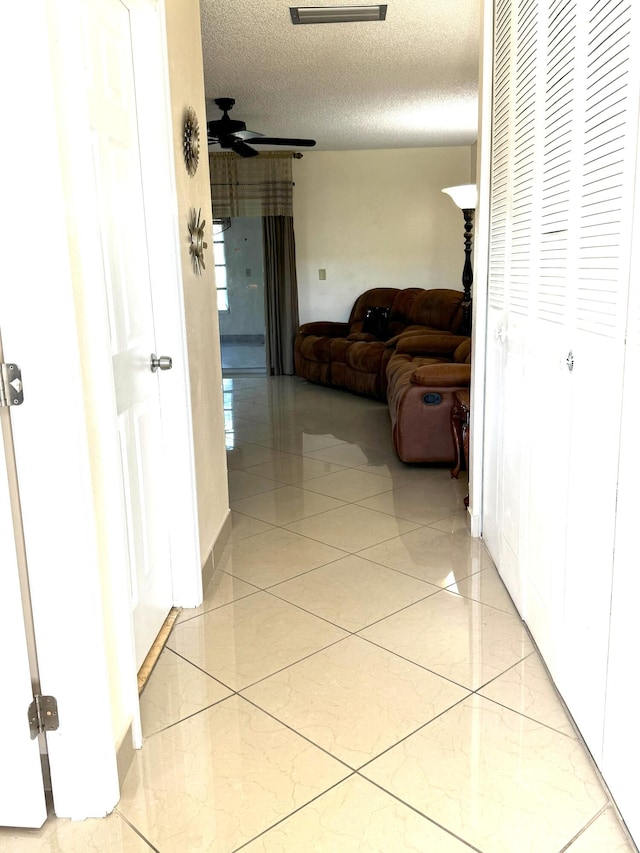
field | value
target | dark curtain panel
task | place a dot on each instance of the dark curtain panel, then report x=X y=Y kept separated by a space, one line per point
x=280 y=293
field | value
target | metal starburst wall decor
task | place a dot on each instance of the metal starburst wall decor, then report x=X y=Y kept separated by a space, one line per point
x=197 y=244
x=191 y=141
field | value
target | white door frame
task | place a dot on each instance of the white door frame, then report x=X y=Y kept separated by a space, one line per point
x=22 y=798
x=79 y=594
x=481 y=264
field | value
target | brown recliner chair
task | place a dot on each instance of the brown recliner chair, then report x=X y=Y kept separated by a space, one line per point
x=347 y=356
x=423 y=374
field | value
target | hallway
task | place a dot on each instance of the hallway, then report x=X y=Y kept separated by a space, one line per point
x=357 y=678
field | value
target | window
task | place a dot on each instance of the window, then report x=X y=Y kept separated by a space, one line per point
x=220 y=262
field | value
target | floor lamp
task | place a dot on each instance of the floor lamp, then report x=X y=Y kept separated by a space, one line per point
x=466 y=198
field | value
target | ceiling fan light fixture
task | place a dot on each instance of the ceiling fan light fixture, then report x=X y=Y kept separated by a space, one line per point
x=337 y=14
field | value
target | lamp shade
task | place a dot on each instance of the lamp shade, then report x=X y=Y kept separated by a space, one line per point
x=465 y=195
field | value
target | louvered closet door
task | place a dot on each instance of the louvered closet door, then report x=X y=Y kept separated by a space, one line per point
x=563 y=161
x=621 y=753
x=549 y=389
x=499 y=490
x=603 y=211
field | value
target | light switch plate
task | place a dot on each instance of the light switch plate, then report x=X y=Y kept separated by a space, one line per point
x=322 y=275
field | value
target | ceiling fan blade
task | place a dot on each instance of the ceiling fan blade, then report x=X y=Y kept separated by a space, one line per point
x=242 y=148
x=271 y=140
x=247 y=135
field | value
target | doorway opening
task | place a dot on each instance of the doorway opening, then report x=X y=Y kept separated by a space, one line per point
x=238 y=257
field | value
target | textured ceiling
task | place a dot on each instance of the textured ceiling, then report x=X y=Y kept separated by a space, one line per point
x=408 y=82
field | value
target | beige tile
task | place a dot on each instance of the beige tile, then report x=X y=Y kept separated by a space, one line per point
x=285 y=504
x=246 y=771
x=494 y=778
x=247 y=455
x=351 y=527
x=243 y=485
x=292 y=469
x=275 y=556
x=176 y=690
x=356 y=817
x=412 y=503
x=251 y=638
x=354 y=699
x=253 y=410
x=353 y=592
x=458 y=523
x=349 y=455
x=110 y=834
x=349 y=485
x=468 y=642
x=431 y=555
x=415 y=473
x=604 y=835
x=249 y=432
x=243 y=526
x=486 y=587
x=527 y=688
x=302 y=443
x=222 y=589
x=401 y=473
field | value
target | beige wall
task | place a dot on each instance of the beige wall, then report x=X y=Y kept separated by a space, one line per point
x=376 y=219
x=187 y=89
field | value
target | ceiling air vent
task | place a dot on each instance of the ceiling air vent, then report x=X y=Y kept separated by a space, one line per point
x=337 y=14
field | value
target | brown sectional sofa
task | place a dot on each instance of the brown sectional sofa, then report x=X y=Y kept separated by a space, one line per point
x=345 y=356
x=417 y=366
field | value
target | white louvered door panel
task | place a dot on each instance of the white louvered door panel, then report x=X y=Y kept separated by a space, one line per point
x=621 y=753
x=522 y=271
x=512 y=257
x=563 y=173
x=501 y=135
x=607 y=155
x=548 y=388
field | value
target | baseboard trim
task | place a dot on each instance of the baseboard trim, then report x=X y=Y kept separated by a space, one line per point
x=207 y=570
x=124 y=755
x=221 y=539
x=216 y=551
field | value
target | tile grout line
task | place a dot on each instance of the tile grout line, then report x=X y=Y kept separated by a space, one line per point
x=136 y=830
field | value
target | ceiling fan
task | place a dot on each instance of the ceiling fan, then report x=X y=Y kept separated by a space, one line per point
x=231 y=133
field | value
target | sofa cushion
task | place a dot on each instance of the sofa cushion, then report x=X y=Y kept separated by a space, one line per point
x=437 y=309
x=325 y=327
x=445 y=375
x=430 y=344
x=365 y=356
x=401 y=309
x=315 y=348
x=338 y=348
x=361 y=336
x=462 y=355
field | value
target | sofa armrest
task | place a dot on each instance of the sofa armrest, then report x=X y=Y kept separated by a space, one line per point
x=412 y=332
x=325 y=328
x=444 y=375
x=421 y=344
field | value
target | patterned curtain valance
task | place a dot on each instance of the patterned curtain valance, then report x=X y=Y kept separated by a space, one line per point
x=251 y=186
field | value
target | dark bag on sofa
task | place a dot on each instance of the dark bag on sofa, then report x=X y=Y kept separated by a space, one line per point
x=376 y=322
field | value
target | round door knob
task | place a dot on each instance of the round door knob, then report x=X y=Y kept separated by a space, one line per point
x=160 y=362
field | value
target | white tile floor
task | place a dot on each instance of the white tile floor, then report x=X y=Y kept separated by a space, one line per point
x=357 y=678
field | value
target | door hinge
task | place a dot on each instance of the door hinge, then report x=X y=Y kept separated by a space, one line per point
x=43 y=715
x=10 y=385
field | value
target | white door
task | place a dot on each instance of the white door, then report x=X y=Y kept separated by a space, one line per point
x=120 y=215
x=21 y=787
x=564 y=162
